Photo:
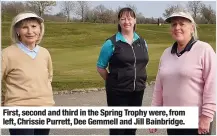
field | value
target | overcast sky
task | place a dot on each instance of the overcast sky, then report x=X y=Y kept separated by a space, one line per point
x=147 y=8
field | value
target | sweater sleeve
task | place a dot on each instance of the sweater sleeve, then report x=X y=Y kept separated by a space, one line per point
x=50 y=68
x=157 y=98
x=4 y=65
x=209 y=76
x=4 y=72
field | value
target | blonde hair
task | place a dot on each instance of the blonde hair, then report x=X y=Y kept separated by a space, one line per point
x=16 y=24
x=194 y=34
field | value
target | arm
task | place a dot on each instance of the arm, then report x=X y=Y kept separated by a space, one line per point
x=209 y=95
x=146 y=45
x=209 y=76
x=50 y=68
x=4 y=72
x=103 y=72
x=4 y=66
x=104 y=57
x=157 y=98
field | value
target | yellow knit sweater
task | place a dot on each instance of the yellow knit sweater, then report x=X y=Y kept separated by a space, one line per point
x=27 y=81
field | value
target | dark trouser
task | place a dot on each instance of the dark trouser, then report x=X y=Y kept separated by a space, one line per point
x=121 y=98
x=29 y=131
x=187 y=131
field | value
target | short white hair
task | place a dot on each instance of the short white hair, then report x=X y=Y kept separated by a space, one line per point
x=19 y=19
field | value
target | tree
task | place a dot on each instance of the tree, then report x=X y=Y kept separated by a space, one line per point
x=3 y=7
x=91 y=16
x=208 y=14
x=11 y=9
x=60 y=14
x=115 y=15
x=82 y=8
x=133 y=7
x=194 y=7
x=100 y=12
x=67 y=7
x=118 y=9
x=40 y=7
x=171 y=9
x=140 y=18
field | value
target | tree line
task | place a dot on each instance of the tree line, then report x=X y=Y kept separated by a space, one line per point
x=81 y=11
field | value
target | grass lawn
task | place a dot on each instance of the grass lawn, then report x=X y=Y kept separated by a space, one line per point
x=74 y=48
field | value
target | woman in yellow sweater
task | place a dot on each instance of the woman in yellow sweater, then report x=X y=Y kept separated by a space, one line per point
x=27 y=68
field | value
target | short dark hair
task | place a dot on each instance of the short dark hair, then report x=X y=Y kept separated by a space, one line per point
x=126 y=10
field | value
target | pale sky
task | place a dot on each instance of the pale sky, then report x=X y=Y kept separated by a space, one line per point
x=147 y=8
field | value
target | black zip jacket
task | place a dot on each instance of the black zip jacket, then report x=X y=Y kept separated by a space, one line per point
x=127 y=66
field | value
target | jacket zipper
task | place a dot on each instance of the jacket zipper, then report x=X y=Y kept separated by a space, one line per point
x=134 y=83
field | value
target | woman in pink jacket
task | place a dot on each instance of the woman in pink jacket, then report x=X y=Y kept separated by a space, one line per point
x=187 y=74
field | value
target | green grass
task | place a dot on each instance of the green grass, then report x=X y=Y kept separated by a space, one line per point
x=75 y=47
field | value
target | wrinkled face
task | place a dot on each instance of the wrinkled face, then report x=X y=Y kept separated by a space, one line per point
x=181 y=29
x=127 y=22
x=29 y=32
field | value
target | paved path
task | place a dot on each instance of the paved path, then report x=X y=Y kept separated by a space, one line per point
x=97 y=98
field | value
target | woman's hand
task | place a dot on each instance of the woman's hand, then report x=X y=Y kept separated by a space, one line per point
x=103 y=72
x=204 y=124
x=152 y=130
